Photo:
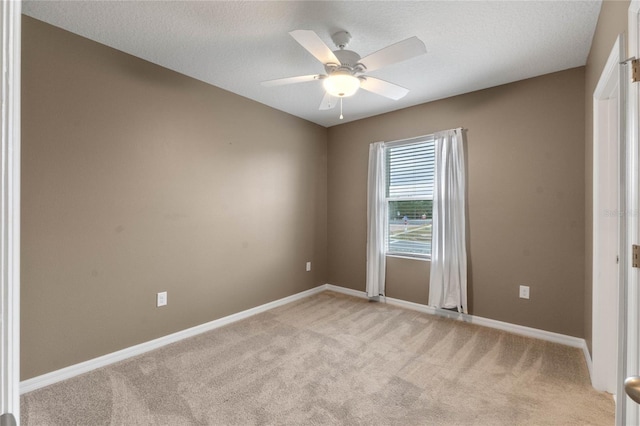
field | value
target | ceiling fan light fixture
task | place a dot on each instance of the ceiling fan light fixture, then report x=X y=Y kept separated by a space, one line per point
x=341 y=85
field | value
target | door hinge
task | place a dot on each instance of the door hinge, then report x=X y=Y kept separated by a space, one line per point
x=635 y=70
x=635 y=257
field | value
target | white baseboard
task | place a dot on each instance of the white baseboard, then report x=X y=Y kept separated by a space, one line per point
x=587 y=358
x=522 y=330
x=105 y=360
x=92 y=364
x=347 y=291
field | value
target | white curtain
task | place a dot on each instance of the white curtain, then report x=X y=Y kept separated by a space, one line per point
x=376 y=217
x=448 y=283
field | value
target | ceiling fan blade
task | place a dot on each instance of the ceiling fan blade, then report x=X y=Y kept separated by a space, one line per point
x=291 y=80
x=398 y=52
x=328 y=102
x=310 y=41
x=383 y=88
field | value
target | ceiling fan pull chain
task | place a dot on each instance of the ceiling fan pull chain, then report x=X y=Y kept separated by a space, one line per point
x=341 y=117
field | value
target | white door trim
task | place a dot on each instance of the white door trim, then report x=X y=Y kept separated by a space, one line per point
x=607 y=183
x=10 y=18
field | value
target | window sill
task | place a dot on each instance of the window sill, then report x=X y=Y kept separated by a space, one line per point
x=400 y=256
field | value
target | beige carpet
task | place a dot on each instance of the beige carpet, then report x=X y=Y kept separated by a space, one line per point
x=334 y=359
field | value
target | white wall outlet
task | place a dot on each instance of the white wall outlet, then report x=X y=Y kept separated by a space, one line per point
x=524 y=292
x=161 y=299
x=308 y=266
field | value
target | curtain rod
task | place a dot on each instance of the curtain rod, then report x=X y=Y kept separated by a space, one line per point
x=400 y=141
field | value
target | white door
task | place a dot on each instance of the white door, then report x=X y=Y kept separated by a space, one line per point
x=10 y=213
x=627 y=411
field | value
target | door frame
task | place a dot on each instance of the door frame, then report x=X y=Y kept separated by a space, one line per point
x=608 y=219
x=10 y=18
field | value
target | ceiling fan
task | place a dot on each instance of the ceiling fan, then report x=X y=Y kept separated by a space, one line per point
x=346 y=70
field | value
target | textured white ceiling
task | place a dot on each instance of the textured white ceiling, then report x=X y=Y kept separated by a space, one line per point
x=234 y=45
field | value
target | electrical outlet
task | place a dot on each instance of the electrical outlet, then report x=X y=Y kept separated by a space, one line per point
x=308 y=266
x=524 y=292
x=161 y=299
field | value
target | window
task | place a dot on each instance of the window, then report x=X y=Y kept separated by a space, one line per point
x=409 y=174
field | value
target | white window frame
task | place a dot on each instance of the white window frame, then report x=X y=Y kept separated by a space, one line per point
x=395 y=144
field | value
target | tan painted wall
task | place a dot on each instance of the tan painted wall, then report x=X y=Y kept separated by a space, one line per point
x=611 y=22
x=525 y=146
x=137 y=180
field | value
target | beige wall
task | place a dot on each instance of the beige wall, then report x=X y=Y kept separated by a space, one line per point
x=137 y=180
x=525 y=150
x=611 y=22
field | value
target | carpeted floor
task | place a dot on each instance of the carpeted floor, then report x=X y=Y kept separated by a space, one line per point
x=334 y=359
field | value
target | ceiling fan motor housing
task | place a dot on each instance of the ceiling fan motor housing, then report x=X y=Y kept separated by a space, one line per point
x=349 y=61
